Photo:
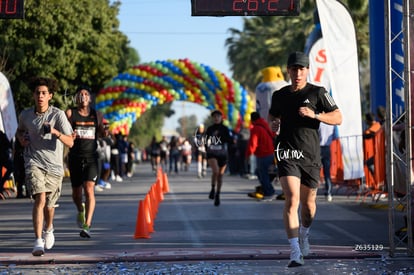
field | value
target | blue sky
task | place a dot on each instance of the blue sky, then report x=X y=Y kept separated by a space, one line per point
x=165 y=29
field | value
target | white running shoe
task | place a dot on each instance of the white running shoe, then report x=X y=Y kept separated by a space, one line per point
x=118 y=178
x=38 y=248
x=107 y=185
x=49 y=238
x=98 y=188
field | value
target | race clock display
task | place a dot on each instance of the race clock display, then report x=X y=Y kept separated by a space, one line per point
x=244 y=7
x=11 y=9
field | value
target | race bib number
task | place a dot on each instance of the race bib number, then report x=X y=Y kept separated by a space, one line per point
x=85 y=132
x=216 y=147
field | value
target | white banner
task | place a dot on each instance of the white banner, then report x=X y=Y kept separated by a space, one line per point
x=342 y=70
x=8 y=119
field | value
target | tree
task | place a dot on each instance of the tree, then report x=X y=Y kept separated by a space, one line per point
x=187 y=127
x=149 y=125
x=267 y=41
x=75 y=42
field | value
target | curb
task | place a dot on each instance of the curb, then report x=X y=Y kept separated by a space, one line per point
x=182 y=254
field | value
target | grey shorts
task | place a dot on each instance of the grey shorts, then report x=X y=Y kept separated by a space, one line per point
x=40 y=181
x=308 y=175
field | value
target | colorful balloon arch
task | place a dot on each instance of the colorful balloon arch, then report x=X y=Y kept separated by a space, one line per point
x=127 y=96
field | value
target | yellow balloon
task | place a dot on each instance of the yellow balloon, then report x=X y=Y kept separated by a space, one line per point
x=115 y=95
x=100 y=98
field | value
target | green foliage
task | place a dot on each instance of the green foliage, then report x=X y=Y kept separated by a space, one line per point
x=75 y=42
x=149 y=124
x=79 y=42
x=267 y=41
x=188 y=125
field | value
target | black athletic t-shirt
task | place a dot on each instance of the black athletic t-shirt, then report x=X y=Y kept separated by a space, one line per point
x=298 y=139
x=217 y=138
x=86 y=142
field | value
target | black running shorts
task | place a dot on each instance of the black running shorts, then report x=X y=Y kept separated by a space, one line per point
x=221 y=160
x=309 y=175
x=82 y=169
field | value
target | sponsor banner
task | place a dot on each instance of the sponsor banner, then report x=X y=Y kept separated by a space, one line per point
x=397 y=58
x=339 y=61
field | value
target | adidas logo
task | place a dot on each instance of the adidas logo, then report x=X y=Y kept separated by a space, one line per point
x=306 y=101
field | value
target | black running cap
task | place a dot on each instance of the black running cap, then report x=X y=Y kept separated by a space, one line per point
x=298 y=59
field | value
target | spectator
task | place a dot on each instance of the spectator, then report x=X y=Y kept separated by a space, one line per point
x=115 y=160
x=104 y=152
x=326 y=136
x=201 y=154
x=174 y=154
x=107 y=143
x=5 y=161
x=131 y=159
x=155 y=150
x=373 y=127
x=186 y=154
x=242 y=141
x=261 y=145
x=164 y=153
x=19 y=173
x=123 y=155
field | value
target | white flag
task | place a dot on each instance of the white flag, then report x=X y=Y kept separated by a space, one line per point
x=8 y=119
x=339 y=39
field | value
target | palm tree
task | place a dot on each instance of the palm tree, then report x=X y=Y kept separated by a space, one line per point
x=267 y=40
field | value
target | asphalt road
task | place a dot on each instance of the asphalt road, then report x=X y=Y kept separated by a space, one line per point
x=189 y=229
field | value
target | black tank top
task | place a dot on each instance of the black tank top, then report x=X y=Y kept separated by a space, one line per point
x=85 y=144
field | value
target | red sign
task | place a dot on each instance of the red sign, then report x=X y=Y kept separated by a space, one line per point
x=11 y=9
x=244 y=7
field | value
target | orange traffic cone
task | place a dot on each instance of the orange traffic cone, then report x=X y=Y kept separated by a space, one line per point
x=165 y=186
x=158 y=187
x=154 y=198
x=149 y=207
x=141 y=227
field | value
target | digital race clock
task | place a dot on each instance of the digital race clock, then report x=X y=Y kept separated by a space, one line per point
x=11 y=9
x=244 y=7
